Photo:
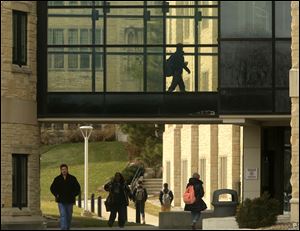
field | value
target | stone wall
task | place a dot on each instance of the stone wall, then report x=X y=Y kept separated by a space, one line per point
x=294 y=94
x=20 y=133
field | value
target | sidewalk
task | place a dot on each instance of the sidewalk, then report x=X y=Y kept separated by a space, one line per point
x=150 y=219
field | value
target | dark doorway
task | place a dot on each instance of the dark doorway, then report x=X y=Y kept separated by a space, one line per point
x=276 y=166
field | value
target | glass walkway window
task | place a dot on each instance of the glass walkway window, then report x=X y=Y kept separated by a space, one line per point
x=122 y=46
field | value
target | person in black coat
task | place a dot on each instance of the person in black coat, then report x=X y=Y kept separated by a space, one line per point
x=199 y=205
x=119 y=192
x=178 y=64
x=65 y=188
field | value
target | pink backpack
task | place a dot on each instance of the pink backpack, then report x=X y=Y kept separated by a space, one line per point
x=189 y=195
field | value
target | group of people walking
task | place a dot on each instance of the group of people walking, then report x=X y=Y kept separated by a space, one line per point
x=65 y=188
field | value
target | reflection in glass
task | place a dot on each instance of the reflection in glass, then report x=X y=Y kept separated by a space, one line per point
x=121 y=30
x=283 y=18
x=246 y=64
x=207 y=73
x=124 y=73
x=72 y=71
x=155 y=73
x=208 y=31
x=282 y=63
x=254 y=19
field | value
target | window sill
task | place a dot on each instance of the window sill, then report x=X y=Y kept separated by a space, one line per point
x=23 y=69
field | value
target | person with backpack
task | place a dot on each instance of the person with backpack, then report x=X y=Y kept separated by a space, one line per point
x=139 y=197
x=192 y=198
x=174 y=67
x=165 y=198
x=117 y=200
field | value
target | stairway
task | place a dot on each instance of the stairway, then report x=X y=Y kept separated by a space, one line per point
x=153 y=185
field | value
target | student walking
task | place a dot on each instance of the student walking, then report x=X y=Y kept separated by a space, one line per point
x=193 y=198
x=65 y=188
x=175 y=65
x=166 y=197
x=139 y=197
x=118 y=199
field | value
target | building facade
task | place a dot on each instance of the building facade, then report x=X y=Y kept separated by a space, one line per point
x=20 y=132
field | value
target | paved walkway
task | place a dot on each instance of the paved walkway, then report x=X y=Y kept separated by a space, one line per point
x=150 y=219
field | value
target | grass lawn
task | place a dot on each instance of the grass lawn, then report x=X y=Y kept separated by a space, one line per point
x=105 y=158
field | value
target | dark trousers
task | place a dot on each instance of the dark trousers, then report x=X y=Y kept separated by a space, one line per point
x=121 y=210
x=140 y=210
x=177 y=80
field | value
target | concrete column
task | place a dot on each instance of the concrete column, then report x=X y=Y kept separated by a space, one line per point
x=213 y=159
x=252 y=155
x=194 y=148
x=177 y=165
x=236 y=158
x=294 y=94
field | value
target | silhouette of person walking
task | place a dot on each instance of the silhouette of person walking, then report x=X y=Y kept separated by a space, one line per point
x=177 y=64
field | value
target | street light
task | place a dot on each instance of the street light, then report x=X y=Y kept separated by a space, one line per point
x=86 y=132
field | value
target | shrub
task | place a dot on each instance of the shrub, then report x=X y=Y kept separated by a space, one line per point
x=259 y=212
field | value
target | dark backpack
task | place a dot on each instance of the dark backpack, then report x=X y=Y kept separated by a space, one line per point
x=169 y=66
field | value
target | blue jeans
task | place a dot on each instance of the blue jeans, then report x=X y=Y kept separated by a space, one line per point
x=195 y=216
x=65 y=211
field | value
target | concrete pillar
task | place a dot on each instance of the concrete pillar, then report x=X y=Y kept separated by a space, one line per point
x=213 y=159
x=252 y=156
x=294 y=94
x=177 y=165
x=194 y=148
x=236 y=158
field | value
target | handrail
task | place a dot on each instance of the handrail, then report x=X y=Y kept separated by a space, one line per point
x=135 y=178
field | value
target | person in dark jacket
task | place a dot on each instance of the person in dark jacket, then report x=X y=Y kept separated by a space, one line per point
x=178 y=65
x=119 y=193
x=199 y=205
x=140 y=196
x=65 y=188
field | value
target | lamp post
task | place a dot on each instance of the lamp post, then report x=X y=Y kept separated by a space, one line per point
x=86 y=132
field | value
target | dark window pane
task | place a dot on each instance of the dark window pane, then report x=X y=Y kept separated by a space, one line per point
x=19 y=37
x=283 y=18
x=84 y=61
x=58 y=61
x=19 y=180
x=246 y=64
x=282 y=101
x=73 y=61
x=246 y=19
x=282 y=63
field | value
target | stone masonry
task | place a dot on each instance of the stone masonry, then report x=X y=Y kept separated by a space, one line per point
x=294 y=94
x=20 y=133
